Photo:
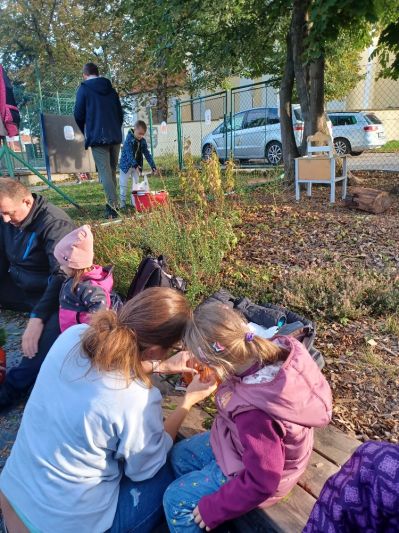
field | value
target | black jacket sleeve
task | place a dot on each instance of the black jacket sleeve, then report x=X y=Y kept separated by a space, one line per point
x=4 y=264
x=80 y=109
x=49 y=301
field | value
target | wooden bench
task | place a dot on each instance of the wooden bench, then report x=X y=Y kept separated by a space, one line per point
x=331 y=449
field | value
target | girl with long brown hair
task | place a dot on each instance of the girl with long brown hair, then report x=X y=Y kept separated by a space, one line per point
x=91 y=452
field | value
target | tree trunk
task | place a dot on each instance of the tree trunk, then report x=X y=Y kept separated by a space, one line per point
x=290 y=150
x=299 y=31
x=318 y=120
x=162 y=100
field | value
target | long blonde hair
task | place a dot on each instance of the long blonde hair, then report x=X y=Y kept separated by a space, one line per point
x=217 y=336
x=115 y=341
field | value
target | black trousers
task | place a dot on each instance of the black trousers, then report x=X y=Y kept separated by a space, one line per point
x=15 y=299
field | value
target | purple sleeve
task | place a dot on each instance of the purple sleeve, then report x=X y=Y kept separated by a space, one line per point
x=263 y=459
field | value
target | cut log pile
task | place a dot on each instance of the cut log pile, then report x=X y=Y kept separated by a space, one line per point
x=370 y=200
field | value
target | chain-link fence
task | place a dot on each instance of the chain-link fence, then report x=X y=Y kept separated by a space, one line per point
x=242 y=122
x=246 y=124
x=31 y=104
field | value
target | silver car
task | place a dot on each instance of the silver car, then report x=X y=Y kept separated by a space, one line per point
x=255 y=135
x=355 y=132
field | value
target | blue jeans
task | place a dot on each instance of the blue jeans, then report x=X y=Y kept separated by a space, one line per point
x=198 y=475
x=140 y=503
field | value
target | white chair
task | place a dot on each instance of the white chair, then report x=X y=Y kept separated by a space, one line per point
x=319 y=166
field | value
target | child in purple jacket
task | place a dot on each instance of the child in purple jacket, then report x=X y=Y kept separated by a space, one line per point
x=88 y=287
x=363 y=495
x=272 y=396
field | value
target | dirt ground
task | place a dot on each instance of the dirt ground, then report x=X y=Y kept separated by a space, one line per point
x=284 y=240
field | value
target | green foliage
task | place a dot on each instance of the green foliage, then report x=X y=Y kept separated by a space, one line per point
x=391 y=325
x=202 y=182
x=3 y=337
x=194 y=242
x=388 y=50
x=390 y=146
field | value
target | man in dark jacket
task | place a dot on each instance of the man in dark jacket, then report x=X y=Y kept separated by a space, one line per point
x=30 y=276
x=98 y=113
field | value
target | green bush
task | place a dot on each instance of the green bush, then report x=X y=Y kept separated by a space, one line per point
x=194 y=242
x=3 y=337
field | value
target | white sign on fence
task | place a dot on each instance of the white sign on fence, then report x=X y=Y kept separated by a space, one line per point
x=69 y=134
x=208 y=117
x=164 y=128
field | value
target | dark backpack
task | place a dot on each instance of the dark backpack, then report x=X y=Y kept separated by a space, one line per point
x=151 y=273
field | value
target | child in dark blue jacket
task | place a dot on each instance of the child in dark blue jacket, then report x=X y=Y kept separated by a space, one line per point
x=131 y=162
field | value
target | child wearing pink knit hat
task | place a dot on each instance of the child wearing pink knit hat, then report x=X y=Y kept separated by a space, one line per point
x=88 y=287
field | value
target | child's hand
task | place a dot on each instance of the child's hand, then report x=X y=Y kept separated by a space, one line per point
x=198 y=519
x=155 y=171
x=198 y=390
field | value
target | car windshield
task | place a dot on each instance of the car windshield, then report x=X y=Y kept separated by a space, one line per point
x=237 y=124
x=372 y=119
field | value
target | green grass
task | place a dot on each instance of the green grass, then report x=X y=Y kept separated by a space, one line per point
x=390 y=146
x=90 y=196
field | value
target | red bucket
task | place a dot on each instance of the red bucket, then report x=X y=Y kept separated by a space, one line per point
x=144 y=201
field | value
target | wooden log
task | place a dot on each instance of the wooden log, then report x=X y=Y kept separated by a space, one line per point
x=370 y=200
x=355 y=180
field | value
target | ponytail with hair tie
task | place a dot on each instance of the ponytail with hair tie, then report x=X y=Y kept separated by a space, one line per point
x=114 y=342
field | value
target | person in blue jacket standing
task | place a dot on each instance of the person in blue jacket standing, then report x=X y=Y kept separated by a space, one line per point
x=131 y=163
x=99 y=115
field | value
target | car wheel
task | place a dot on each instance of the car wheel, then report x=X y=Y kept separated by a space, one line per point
x=207 y=152
x=342 y=146
x=274 y=153
x=356 y=153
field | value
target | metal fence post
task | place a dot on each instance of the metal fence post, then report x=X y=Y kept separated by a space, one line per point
x=231 y=124
x=151 y=130
x=179 y=134
x=58 y=103
x=225 y=125
x=39 y=87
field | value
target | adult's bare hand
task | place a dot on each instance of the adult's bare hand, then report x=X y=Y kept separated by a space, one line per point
x=199 y=390
x=177 y=364
x=31 y=337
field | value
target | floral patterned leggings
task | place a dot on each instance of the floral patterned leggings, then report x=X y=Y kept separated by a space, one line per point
x=198 y=474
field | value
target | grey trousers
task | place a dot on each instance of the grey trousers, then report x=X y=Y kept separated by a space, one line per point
x=106 y=159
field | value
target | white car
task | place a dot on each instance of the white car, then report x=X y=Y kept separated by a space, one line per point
x=255 y=134
x=355 y=132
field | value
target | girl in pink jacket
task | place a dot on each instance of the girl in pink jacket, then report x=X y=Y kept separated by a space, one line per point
x=272 y=396
x=88 y=287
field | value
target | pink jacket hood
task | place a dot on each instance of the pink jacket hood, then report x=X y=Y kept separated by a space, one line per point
x=299 y=394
